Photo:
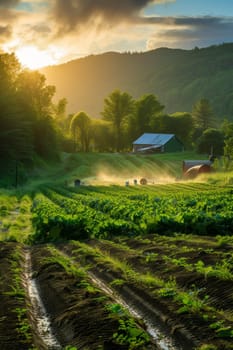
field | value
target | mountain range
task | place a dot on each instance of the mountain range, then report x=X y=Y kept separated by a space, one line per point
x=179 y=78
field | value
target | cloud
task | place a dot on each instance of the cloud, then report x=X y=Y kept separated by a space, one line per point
x=187 y=32
x=74 y=14
x=41 y=28
x=9 y=3
x=5 y=33
x=74 y=28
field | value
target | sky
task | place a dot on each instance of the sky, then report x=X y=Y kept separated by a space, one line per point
x=46 y=32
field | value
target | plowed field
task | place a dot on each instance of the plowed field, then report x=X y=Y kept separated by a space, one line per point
x=168 y=282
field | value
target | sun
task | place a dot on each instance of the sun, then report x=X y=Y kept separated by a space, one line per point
x=33 y=58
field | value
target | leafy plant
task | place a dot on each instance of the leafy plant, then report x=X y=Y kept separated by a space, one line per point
x=221 y=330
x=191 y=302
x=115 y=309
x=130 y=334
x=117 y=282
x=168 y=290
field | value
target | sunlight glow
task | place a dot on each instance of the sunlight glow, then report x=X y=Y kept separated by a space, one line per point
x=33 y=58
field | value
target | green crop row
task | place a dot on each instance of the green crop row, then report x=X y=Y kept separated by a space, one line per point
x=92 y=213
x=63 y=218
x=205 y=213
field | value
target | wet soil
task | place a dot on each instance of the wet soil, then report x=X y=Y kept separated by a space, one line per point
x=219 y=291
x=76 y=308
x=11 y=301
x=77 y=315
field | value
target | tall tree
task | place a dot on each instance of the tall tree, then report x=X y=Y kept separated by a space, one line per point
x=25 y=113
x=9 y=71
x=118 y=106
x=36 y=93
x=36 y=98
x=15 y=128
x=181 y=124
x=147 y=107
x=102 y=135
x=228 y=141
x=60 y=114
x=202 y=114
x=211 y=142
x=81 y=129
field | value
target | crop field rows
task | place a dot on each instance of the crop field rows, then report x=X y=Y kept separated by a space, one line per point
x=105 y=213
x=98 y=256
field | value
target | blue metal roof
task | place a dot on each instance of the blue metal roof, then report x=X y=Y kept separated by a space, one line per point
x=153 y=139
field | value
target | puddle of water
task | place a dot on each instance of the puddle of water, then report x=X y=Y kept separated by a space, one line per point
x=164 y=342
x=42 y=321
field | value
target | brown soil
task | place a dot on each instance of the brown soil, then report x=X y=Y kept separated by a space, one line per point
x=10 y=337
x=78 y=314
x=220 y=292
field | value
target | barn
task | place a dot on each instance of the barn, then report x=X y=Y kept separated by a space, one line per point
x=157 y=143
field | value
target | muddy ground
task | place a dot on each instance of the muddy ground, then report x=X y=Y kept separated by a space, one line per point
x=77 y=307
x=192 y=329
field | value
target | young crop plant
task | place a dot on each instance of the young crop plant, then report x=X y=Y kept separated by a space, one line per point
x=24 y=327
x=17 y=288
x=66 y=262
x=169 y=289
x=17 y=291
x=117 y=282
x=151 y=257
x=15 y=219
x=224 y=241
x=131 y=335
x=221 y=330
x=207 y=347
x=72 y=268
x=222 y=270
x=191 y=303
x=115 y=309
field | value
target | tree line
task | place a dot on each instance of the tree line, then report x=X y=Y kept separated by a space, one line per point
x=124 y=119
x=33 y=127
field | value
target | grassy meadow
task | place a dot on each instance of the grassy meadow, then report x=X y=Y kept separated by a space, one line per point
x=109 y=169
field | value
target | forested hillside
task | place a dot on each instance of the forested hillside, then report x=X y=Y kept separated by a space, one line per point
x=177 y=77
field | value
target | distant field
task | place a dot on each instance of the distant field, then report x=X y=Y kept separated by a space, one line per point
x=117 y=168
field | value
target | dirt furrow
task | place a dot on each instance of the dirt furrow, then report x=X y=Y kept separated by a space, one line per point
x=134 y=304
x=175 y=335
x=43 y=336
x=79 y=312
x=190 y=328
